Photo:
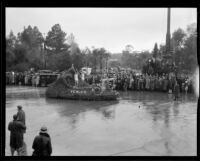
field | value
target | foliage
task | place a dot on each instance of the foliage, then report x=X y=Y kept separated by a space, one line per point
x=134 y=60
x=114 y=64
x=60 y=61
x=31 y=37
x=178 y=39
x=155 y=50
x=30 y=49
x=55 y=40
x=184 y=47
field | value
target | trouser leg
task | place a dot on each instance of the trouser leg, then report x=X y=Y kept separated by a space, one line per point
x=12 y=150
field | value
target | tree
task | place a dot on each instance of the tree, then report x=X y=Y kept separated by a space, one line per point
x=31 y=41
x=190 y=49
x=87 y=57
x=10 y=46
x=129 y=48
x=155 y=50
x=55 y=40
x=61 y=61
x=114 y=63
x=126 y=58
x=162 y=49
x=178 y=39
x=77 y=57
x=20 y=54
x=31 y=37
x=77 y=60
x=11 y=40
x=24 y=51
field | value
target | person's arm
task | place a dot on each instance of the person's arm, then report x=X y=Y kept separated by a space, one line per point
x=49 y=147
x=19 y=116
x=34 y=143
x=22 y=125
x=9 y=126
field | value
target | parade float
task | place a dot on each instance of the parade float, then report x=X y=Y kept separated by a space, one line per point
x=66 y=88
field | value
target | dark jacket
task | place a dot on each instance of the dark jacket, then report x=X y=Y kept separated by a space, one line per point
x=42 y=145
x=21 y=116
x=16 y=134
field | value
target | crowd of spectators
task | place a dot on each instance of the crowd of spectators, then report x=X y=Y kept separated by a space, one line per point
x=145 y=82
x=22 y=78
x=121 y=80
x=127 y=80
x=28 y=78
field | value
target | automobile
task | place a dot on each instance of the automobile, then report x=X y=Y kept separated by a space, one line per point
x=47 y=78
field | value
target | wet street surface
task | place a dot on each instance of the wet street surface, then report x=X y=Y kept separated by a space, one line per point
x=138 y=124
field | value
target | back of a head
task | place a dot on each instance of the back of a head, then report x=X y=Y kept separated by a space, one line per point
x=14 y=117
x=19 y=107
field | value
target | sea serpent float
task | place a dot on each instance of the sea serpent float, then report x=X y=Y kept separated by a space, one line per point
x=64 y=87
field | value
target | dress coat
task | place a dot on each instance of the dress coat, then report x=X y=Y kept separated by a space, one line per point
x=42 y=145
x=16 y=134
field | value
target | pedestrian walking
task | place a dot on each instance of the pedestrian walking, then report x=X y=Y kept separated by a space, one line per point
x=16 y=135
x=42 y=143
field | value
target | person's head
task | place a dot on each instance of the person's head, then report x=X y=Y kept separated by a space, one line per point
x=14 y=117
x=43 y=130
x=19 y=107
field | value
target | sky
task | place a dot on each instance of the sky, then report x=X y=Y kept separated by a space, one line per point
x=111 y=28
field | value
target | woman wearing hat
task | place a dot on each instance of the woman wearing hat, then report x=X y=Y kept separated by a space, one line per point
x=42 y=143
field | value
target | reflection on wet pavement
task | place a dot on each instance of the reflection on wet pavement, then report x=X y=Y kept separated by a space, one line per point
x=139 y=123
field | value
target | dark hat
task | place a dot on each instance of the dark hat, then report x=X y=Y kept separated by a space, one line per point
x=19 y=107
x=43 y=129
x=15 y=116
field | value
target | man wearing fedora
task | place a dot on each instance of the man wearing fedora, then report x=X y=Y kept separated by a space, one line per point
x=42 y=143
x=16 y=135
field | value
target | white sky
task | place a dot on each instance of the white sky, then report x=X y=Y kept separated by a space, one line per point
x=111 y=28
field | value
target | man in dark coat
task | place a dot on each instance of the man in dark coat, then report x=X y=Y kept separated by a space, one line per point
x=42 y=143
x=21 y=116
x=16 y=134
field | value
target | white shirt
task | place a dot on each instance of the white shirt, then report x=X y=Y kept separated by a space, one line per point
x=76 y=77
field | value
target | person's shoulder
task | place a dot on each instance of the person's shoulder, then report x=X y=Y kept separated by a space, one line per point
x=18 y=123
x=37 y=137
x=10 y=123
